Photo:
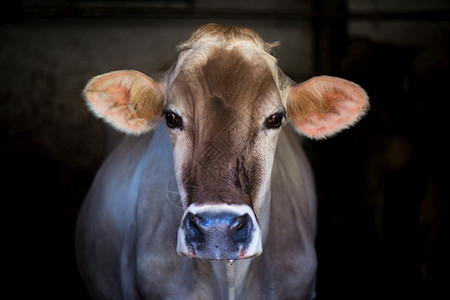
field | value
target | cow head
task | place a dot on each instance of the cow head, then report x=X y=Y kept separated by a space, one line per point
x=224 y=102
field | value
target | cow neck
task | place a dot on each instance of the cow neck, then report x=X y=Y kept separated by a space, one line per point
x=230 y=276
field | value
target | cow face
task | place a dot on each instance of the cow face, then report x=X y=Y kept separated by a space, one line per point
x=224 y=103
x=224 y=112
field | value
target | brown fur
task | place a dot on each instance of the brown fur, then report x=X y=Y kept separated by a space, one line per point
x=224 y=87
x=228 y=114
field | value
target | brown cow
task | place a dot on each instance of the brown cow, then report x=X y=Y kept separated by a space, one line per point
x=247 y=208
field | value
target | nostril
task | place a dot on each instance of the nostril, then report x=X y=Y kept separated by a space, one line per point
x=237 y=223
x=240 y=229
x=194 y=233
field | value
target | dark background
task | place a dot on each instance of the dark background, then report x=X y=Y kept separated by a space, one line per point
x=382 y=185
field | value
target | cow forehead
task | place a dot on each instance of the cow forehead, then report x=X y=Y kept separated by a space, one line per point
x=223 y=81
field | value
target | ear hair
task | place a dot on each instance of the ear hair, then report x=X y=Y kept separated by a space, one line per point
x=128 y=100
x=325 y=105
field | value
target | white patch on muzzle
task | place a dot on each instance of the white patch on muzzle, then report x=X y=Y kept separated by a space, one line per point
x=254 y=246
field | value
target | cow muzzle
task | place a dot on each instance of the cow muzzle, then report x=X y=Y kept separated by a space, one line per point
x=219 y=232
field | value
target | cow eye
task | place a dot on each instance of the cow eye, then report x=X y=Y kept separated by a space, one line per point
x=173 y=120
x=274 y=121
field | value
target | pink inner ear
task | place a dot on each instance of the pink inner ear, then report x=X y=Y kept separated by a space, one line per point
x=129 y=100
x=333 y=97
x=322 y=124
x=110 y=96
x=119 y=95
x=102 y=101
x=113 y=104
x=341 y=113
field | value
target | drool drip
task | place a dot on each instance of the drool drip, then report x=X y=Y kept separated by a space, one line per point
x=230 y=278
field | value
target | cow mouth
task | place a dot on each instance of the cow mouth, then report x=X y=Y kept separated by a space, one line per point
x=218 y=255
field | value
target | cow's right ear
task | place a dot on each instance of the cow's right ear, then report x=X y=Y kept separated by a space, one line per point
x=128 y=100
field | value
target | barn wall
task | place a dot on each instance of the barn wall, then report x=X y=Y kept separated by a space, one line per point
x=383 y=198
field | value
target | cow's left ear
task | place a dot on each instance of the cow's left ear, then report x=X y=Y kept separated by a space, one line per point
x=128 y=100
x=324 y=105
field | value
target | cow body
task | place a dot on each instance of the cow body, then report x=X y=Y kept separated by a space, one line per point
x=128 y=223
x=225 y=185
